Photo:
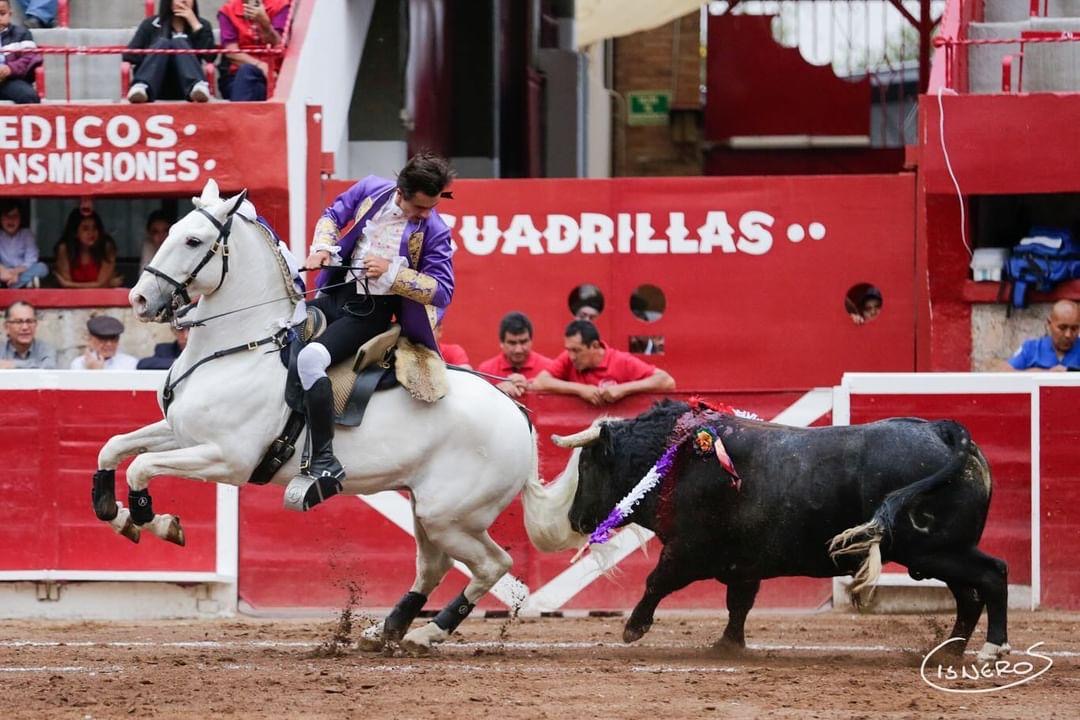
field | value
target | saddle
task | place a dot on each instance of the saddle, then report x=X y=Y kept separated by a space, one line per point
x=415 y=367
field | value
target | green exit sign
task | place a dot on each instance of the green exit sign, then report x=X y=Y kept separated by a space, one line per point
x=648 y=107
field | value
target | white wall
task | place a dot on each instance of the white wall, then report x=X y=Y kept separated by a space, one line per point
x=598 y=115
x=325 y=75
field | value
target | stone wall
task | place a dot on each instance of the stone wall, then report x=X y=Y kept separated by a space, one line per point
x=997 y=336
x=65 y=330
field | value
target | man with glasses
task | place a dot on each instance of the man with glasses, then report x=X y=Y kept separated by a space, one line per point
x=23 y=349
x=103 y=347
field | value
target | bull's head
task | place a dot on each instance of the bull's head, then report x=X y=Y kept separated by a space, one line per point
x=599 y=487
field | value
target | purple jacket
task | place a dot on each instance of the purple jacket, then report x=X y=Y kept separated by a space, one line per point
x=426 y=286
x=22 y=64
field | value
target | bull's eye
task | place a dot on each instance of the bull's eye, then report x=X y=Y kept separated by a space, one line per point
x=194 y=242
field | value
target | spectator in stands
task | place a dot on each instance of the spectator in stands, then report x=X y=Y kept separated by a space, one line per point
x=16 y=68
x=1057 y=351
x=86 y=254
x=452 y=354
x=589 y=308
x=177 y=26
x=247 y=25
x=157 y=229
x=23 y=349
x=865 y=306
x=166 y=353
x=517 y=362
x=597 y=373
x=19 y=265
x=103 y=346
x=39 y=13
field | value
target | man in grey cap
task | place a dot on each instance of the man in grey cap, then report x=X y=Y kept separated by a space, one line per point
x=102 y=347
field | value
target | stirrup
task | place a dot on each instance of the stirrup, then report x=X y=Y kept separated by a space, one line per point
x=305 y=492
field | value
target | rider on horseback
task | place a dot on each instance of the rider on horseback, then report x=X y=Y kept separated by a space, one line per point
x=385 y=253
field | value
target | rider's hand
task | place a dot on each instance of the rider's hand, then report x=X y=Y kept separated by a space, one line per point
x=375 y=266
x=317 y=260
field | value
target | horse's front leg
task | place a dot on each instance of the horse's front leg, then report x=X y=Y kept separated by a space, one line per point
x=199 y=462
x=152 y=438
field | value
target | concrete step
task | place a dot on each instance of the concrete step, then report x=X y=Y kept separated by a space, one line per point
x=124 y=13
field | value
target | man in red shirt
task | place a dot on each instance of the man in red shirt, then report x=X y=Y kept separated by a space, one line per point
x=596 y=373
x=517 y=362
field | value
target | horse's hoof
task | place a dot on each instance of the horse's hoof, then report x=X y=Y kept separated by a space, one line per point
x=174 y=533
x=370 y=644
x=991 y=652
x=633 y=633
x=422 y=640
x=415 y=649
x=130 y=530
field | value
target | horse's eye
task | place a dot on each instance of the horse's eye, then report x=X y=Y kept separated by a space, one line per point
x=194 y=242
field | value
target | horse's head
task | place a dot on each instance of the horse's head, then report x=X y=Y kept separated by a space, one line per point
x=193 y=260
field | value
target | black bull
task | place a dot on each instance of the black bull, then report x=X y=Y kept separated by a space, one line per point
x=816 y=502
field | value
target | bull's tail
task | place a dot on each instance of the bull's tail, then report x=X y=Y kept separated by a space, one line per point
x=866 y=538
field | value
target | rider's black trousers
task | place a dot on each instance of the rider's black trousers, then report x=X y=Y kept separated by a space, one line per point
x=353 y=319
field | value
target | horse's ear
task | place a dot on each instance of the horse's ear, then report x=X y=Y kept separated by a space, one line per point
x=238 y=201
x=210 y=195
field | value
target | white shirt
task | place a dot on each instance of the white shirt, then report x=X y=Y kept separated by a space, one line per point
x=119 y=361
x=381 y=236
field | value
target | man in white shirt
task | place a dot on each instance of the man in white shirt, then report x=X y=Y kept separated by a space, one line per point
x=103 y=347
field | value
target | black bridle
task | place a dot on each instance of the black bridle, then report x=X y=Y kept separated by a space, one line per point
x=180 y=297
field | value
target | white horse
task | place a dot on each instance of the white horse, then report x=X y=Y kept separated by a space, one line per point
x=463 y=458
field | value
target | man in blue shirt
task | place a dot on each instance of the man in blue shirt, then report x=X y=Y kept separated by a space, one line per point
x=1057 y=351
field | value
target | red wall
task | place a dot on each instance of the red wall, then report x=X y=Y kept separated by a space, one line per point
x=1059 y=489
x=734 y=320
x=48 y=450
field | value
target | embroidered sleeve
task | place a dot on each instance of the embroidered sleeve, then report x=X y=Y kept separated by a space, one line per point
x=326 y=238
x=414 y=285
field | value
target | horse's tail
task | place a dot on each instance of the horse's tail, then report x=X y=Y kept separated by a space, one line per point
x=547 y=507
x=867 y=538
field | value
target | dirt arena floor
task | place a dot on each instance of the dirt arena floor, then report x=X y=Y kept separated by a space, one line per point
x=824 y=665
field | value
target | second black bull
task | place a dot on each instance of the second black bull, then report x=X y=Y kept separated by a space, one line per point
x=816 y=502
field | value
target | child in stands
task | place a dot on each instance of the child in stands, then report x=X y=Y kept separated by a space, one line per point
x=16 y=65
x=86 y=254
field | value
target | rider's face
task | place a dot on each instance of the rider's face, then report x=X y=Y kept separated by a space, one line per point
x=417 y=207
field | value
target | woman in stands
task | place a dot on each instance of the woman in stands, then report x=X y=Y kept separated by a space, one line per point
x=250 y=25
x=86 y=255
x=177 y=26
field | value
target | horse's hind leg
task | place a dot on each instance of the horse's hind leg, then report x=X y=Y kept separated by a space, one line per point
x=486 y=561
x=152 y=438
x=432 y=564
x=201 y=462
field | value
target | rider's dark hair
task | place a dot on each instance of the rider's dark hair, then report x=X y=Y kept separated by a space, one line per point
x=588 y=332
x=514 y=323
x=427 y=173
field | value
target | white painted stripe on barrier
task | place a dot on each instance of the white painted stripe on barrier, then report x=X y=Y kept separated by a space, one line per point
x=114 y=576
x=227 y=538
x=398 y=510
x=564 y=586
x=804 y=411
x=82 y=380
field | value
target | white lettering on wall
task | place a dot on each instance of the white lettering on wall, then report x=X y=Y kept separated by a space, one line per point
x=92 y=149
x=624 y=233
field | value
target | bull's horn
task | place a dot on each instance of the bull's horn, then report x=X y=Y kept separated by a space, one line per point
x=580 y=439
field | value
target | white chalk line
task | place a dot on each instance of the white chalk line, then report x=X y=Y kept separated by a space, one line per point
x=469 y=646
x=390 y=669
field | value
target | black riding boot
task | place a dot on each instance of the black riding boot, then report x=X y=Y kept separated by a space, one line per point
x=324 y=469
